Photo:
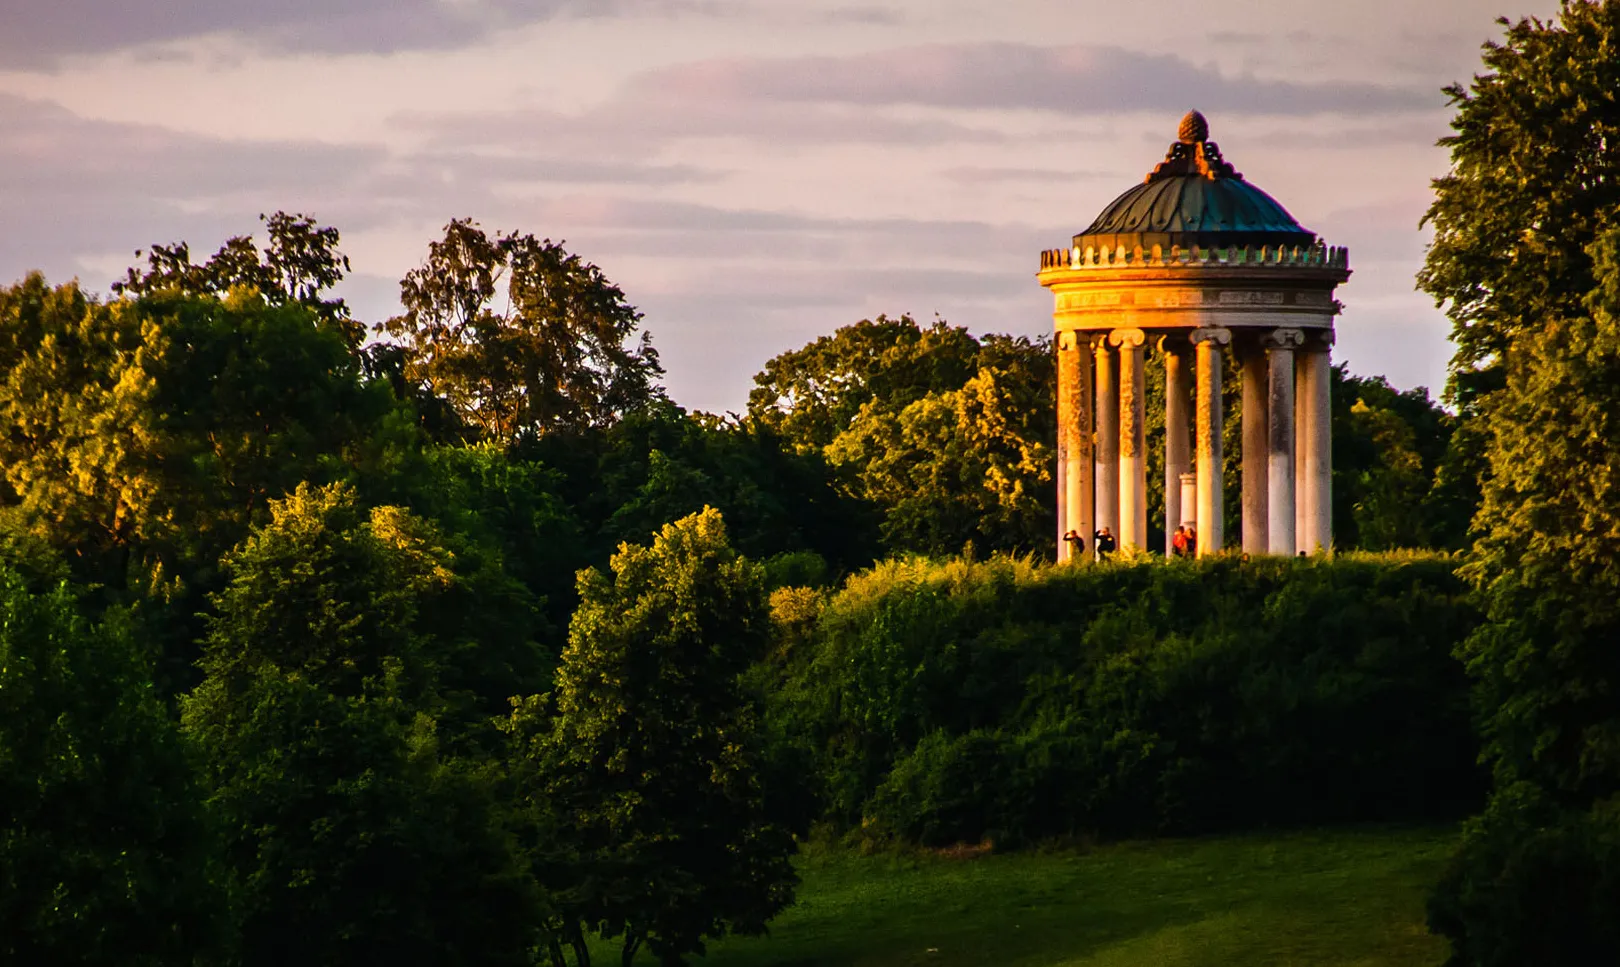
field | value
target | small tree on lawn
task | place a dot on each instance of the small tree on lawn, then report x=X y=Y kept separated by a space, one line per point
x=651 y=764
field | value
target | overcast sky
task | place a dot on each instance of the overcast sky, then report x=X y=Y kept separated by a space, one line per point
x=752 y=172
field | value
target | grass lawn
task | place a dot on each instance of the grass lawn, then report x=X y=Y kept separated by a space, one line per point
x=1325 y=899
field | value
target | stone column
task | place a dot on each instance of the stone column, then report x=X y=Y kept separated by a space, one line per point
x=1316 y=431
x=1256 y=518
x=1211 y=535
x=1177 y=435
x=1189 y=500
x=1132 y=437
x=1107 y=447
x=1302 y=399
x=1280 y=346
x=1075 y=468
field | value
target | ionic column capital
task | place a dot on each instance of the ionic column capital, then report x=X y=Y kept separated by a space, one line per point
x=1283 y=339
x=1127 y=338
x=1068 y=340
x=1219 y=337
x=1317 y=340
x=1099 y=344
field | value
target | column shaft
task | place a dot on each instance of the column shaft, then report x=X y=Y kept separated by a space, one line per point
x=1302 y=488
x=1256 y=504
x=1177 y=437
x=1319 y=451
x=1132 y=438
x=1280 y=479
x=1075 y=468
x=1211 y=525
x=1107 y=446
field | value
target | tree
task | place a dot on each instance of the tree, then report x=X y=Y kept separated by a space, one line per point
x=1535 y=175
x=810 y=395
x=948 y=436
x=555 y=356
x=300 y=263
x=354 y=839
x=966 y=465
x=1538 y=877
x=652 y=763
x=147 y=435
x=106 y=854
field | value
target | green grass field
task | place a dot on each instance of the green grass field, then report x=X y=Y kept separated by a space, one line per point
x=1324 y=899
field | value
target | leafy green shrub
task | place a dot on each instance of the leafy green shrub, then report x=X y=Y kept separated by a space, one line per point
x=963 y=699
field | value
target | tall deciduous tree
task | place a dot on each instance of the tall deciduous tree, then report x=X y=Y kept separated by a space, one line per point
x=521 y=336
x=1528 y=252
x=652 y=765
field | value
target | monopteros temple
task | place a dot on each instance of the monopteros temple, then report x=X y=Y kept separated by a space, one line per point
x=1199 y=262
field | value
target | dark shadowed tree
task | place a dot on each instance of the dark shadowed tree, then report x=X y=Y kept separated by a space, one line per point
x=106 y=856
x=352 y=837
x=652 y=765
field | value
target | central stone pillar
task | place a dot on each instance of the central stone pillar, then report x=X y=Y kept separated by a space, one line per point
x=1211 y=524
x=1132 y=437
x=1177 y=435
x=1107 y=449
x=1280 y=346
x=1075 y=512
x=1255 y=419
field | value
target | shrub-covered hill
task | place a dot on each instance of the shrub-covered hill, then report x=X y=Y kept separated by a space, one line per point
x=947 y=702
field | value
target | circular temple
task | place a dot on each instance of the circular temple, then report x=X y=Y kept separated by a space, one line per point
x=1194 y=128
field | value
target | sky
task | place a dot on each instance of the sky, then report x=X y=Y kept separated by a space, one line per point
x=753 y=173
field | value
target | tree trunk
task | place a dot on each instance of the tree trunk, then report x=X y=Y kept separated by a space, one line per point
x=632 y=943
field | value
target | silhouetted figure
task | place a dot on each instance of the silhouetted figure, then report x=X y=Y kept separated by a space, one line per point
x=1077 y=544
x=1106 y=544
x=1192 y=542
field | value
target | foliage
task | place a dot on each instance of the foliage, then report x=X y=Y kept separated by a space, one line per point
x=1395 y=483
x=1544 y=662
x=555 y=357
x=1534 y=179
x=970 y=465
x=652 y=761
x=352 y=837
x=810 y=395
x=106 y=856
x=300 y=263
x=953 y=701
x=949 y=436
x=152 y=433
x=661 y=464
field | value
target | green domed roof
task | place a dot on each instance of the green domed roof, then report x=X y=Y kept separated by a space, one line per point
x=1193 y=197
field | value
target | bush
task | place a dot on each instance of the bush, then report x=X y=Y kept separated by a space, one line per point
x=957 y=700
x=1533 y=884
